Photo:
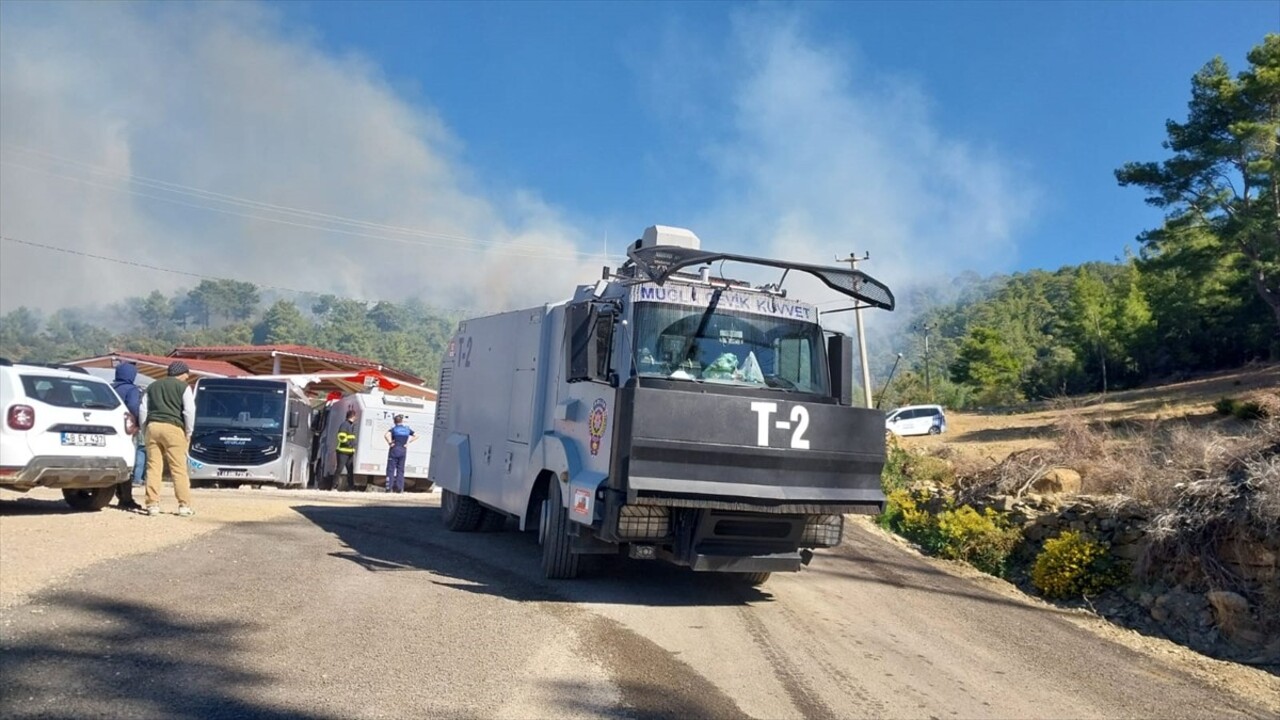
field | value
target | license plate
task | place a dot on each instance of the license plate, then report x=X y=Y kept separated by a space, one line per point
x=84 y=440
x=232 y=472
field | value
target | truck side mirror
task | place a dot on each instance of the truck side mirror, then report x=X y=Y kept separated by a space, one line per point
x=840 y=367
x=294 y=420
x=588 y=330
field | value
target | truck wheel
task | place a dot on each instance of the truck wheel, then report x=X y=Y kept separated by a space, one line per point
x=493 y=521
x=461 y=513
x=90 y=500
x=755 y=578
x=559 y=562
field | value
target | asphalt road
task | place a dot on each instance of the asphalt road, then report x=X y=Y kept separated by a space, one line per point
x=373 y=610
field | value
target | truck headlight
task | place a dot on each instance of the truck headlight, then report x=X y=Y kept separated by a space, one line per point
x=822 y=531
x=643 y=521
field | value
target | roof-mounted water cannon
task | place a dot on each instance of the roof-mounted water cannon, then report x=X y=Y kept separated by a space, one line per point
x=667 y=236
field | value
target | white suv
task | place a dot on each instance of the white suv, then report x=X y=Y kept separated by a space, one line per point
x=917 y=420
x=63 y=429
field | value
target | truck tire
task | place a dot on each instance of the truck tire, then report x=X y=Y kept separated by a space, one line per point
x=460 y=513
x=755 y=578
x=493 y=521
x=90 y=500
x=559 y=562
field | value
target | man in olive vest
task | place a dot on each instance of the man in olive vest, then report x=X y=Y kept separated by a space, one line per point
x=347 y=451
x=169 y=416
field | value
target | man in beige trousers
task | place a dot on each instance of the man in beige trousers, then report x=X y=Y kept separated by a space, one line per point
x=169 y=416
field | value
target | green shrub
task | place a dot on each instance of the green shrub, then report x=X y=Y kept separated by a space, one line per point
x=1241 y=409
x=903 y=468
x=930 y=469
x=897 y=467
x=1072 y=565
x=984 y=540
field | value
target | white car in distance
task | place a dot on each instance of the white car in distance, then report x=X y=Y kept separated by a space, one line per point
x=917 y=420
x=63 y=429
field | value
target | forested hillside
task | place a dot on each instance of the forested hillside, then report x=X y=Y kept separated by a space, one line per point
x=408 y=336
x=1088 y=328
x=1203 y=292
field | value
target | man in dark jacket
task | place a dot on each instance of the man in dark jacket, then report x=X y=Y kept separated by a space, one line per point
x=131 y=394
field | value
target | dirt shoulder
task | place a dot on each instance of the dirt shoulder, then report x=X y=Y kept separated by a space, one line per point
x=1242 y=681
x=42 y=541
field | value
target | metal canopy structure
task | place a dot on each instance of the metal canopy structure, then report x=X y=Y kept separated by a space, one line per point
x=660 y=262
x=157 y=366
x=291 y=359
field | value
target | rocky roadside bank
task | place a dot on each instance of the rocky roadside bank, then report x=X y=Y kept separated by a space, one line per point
x=1218 y=604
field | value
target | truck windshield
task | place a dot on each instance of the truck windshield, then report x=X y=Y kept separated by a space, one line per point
x=259 y=407
x=679 y=342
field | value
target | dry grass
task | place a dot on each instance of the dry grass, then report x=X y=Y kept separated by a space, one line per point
x=1148 y=463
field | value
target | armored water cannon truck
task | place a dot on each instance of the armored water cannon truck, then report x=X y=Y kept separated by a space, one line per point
x=668 y=415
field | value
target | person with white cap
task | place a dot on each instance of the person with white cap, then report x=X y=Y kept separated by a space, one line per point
x=169 y=416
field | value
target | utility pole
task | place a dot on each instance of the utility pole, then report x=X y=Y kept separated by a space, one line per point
x=928 y=384
x=853 y=261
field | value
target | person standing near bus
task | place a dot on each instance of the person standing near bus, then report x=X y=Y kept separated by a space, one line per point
x=346 y=451
x=398 y=439
x=169 y=416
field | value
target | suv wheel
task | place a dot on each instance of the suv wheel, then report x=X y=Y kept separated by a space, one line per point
x=93 y=499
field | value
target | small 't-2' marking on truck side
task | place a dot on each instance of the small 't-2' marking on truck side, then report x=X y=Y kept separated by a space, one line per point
x=799 y=418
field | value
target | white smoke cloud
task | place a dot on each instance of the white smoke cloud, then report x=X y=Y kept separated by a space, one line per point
x=820 y=156
x=222 y=98
x=826 y=157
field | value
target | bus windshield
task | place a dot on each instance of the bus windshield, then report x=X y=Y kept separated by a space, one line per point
x=240 y=407
x=680 y=342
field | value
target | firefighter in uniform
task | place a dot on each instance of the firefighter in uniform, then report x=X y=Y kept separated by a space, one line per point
x=347 y=451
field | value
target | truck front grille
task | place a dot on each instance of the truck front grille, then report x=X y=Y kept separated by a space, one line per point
x=234 y=456
x=762 y=528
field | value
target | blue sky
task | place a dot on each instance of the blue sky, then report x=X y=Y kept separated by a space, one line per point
x=550 y=95
x=478 y=155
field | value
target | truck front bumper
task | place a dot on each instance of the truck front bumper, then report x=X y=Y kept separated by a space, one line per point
x=66 y=473
x=767 y=562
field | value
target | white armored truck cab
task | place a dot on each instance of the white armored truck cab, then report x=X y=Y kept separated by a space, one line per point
x=668 y=415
